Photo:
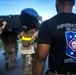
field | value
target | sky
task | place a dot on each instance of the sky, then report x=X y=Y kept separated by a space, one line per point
x=45 y=8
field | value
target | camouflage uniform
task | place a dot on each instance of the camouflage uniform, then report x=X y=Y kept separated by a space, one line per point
x=27 y=51
x=10 y=49
x=1 y=30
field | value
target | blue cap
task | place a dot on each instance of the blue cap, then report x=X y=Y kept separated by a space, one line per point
x=31 y=11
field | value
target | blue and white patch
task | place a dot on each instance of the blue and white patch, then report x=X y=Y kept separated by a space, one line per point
x=71 y=44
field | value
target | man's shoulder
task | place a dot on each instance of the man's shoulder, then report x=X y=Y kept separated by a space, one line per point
x=50 y=20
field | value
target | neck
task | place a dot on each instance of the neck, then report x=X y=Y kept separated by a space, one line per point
x=66 y=9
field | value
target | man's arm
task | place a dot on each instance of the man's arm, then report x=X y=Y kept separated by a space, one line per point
x=20 y=35
x=4 y=23
x=40 y=58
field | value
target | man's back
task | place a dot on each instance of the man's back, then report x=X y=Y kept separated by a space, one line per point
x=63 y=27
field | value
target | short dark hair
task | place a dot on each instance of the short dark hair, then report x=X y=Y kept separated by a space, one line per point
x=71 y=2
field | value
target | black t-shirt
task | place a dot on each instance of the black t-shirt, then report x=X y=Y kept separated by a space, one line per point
x=60 y=33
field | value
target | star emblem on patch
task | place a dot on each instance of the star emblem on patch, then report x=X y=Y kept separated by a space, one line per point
x=72 y=44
